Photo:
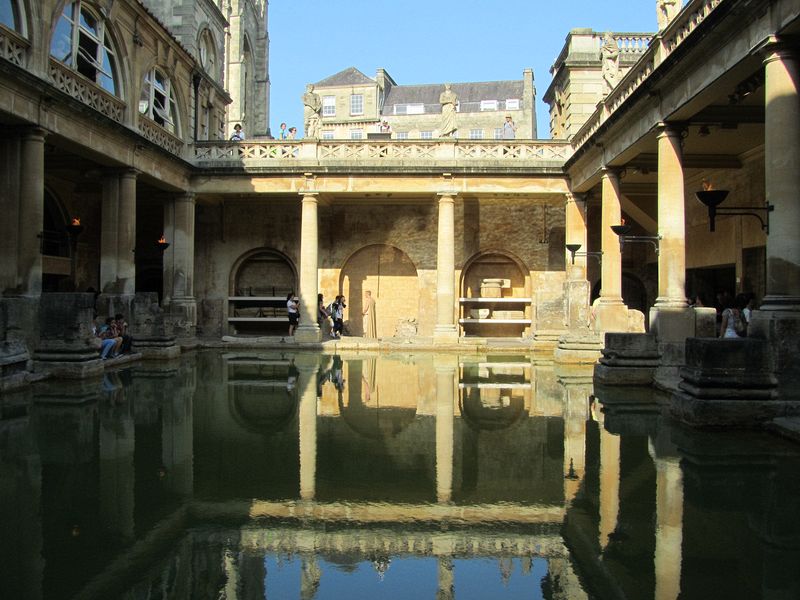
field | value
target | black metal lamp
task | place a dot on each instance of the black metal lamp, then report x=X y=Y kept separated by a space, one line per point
x=573 y=250
x=623 y=230
x=162 y=244
x=713 y=198
x=74 y=229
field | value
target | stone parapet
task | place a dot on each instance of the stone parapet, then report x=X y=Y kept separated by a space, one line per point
x=729 y=383
x=578 y=347
x=628 y=359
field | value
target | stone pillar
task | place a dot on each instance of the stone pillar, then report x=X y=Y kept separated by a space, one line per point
x=446 y=368
x=778 y=318
x=669 y=528
x=177 y=433
x=611 y=314
x=446 y=330
x=118 y=238
x=445 y=578
x=179 y=260
x=575 y=225
x=31 y=212
x=308 y=330
x=307 y=386
x=576 y=412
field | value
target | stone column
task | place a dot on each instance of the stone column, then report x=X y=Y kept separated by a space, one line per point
x=31 y=212
x=576 y=412
x=669 y=529
x=611 y=314
x=445 y=330
x=671 y=319
x=446 y=368
x=308 y=330
x=117 y=442
x=118 y=238
x=307 y=386
x=179 y=258
x=778 y=318
x=575 y=224
x=126 y=261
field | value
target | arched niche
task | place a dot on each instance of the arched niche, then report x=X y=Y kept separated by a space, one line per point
x=392 y=278
x=491 y=409
x=262 y=272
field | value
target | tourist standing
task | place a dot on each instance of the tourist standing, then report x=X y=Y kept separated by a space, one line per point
x=293 y=312
x=283 y=133
x=238 y=133
x=509 y=128
x=337 y=312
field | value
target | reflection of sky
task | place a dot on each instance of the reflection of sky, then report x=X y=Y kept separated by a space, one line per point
x=405 y=577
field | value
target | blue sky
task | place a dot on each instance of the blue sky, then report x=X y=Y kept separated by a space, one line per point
x=430 y=41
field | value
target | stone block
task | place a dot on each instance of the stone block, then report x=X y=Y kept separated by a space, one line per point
x=620 y=375
x=672 y=324
x=705 y=322
x=631 y=345
x=781 y=329
x=152 y=330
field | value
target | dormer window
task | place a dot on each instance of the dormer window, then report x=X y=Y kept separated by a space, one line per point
x=80 y=41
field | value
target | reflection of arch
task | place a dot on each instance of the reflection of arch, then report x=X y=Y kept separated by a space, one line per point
x=482 y=412
x=262 y=272
x=263 y=409
x=392 y=278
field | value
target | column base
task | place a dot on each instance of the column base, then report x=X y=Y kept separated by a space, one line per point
x=782 y=330
x=308 y=334
x=445 y=334
x=611 y=317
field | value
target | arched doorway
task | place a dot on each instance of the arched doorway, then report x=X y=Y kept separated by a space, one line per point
x=259 y=282
x=390 y=275
x=498 y=312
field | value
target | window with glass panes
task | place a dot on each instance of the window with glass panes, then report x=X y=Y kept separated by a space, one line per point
x=157 y=101
x=357 y=104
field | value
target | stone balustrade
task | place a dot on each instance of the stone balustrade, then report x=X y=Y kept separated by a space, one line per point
x=692 y=15
x=83 y=90
x=13 y=46
x=400 y=153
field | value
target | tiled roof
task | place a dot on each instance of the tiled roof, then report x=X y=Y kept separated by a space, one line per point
x=350 y=76
x=469 y=94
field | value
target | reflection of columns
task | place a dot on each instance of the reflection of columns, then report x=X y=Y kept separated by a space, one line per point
x=576 y=413
x=782 y=155
x=445 y=270
x=671 y=221
x=31 y=212
x=179 y=257
x=307 y=384
x=609 y=484
x=117 y=477
x=118 y=238
x=669 y=530
x=177 y=437
x=310 y=575
x=445 y=579
x=611 y=314
x=446 y=367
x=308 y=331
x=575 y=224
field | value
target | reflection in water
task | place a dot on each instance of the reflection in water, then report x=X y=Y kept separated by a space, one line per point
x=255 y=475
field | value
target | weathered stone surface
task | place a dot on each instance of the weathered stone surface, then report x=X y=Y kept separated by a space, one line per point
x=617 y=375
x=630 y=345
x=153 y=332
x=578 y=347
x=705 y=322
x=406 y=328
x=782 y=331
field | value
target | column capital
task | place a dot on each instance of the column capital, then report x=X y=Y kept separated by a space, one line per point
x=447 y=196
x=575 y=197
x=309 y=196
x=186 y=197
x=33 y=133
x=776 y=48
x=607 y=172
x=664 y=129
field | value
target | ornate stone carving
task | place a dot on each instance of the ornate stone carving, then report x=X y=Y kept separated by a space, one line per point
x=312 y=105
x=86 y=92
x=448 y=99
x=666 y=11
x=159 y=136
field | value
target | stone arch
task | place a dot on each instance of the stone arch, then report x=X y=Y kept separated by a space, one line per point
x=263 y=270
x=491 y=409
x=485 y=264
x=391 y=276
x=262 y=408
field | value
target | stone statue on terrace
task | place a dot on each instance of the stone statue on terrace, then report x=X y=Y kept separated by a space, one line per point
x=312 y=104
x=609 y=53
x=449 y=100
x=666 y=11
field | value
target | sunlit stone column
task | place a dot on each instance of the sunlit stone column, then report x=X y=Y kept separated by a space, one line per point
x=575 y=223
x=446 y=330
x=671 y=319
x=782 y=157
x=609 y=483
x=308 y=330
x=179 y=257
x=307 y=387
x=31 y=212
x=669 y=529
x=446 y=369
x=778 y=318
x=611 y=314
